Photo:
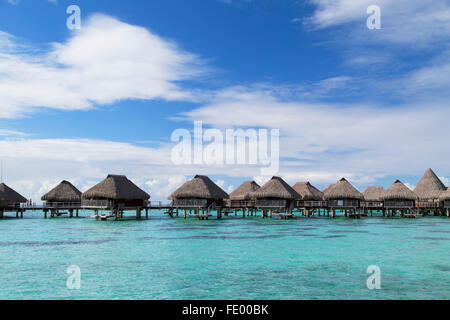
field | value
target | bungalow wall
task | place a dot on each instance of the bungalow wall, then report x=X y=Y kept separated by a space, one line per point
x=447 y=204
x=343 y=203
x=196 y=203
x=274 y=203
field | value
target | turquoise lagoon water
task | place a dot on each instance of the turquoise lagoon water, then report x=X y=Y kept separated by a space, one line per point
x=234 y=258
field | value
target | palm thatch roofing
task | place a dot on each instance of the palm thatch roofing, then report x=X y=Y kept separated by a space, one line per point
x=64 y=192
x=116 y=187
x=445 y=195
x=343 y=190
x=8 y=194
x=398 y=191
x=373 y=193
x=429 y=187
x=308 y=192
x=276 y=188
x=244 y=191
x=200 y=187
x=328 y=188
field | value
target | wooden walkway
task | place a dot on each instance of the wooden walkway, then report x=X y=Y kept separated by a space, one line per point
x=205 y=214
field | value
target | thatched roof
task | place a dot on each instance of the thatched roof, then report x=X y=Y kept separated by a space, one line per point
x=373 y=193
x=276 y=188
x=8 y=194
x=445 y=195
x=244 y=191
x=117 y=188
x=328 y=188
x=429 y=187
x=200 y=187
x=398 y=191
x=343 y=190
x=308 y=191
x=64 y=192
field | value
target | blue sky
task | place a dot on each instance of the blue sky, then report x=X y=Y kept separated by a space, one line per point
x=371 y=105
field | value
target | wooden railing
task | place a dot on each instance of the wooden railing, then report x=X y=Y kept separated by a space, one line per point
x=399 y=204
x=190 y=203
x=428 y=204
x=345 y=203
x=311 y=204
x=371 y=204
x=97 y=203
x=265 y=203
x=240 y=203
x=62 y=205
x=10 y=205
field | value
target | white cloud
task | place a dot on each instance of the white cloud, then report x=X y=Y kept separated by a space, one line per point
x=415 y=22
x=11 y=133
x=323 y=142
x=106 y=61
x=445 y=180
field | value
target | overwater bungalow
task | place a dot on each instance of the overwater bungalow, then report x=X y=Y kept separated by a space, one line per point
x=445 y=198
x=116 y=193
x=242 y=197
x=398 y=198
x=310 y=197
x=428 y=190
x=199 y=196
x=276 y=196
x=10 y=200
x=343 y=196
x=372 y=199
x=63 y=197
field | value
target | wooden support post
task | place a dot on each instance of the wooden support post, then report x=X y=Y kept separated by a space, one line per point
x=21 y=214
x=146 y=213
x=96 y=213
x=71 y=213
x=185 y=214
x=448 y=212
x=1 y=214
x=76 y=213
x=17 y=214
x=333 y=213
x=219 y=213
x=45 y=214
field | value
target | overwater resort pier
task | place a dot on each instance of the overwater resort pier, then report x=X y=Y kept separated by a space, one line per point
x=201 y=198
